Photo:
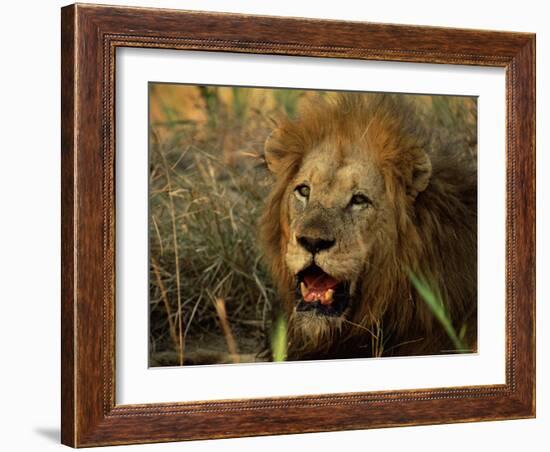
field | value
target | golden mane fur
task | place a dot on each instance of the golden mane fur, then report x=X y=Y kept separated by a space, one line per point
x=430 y=231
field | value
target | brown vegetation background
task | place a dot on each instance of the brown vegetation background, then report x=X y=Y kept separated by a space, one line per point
x=210 y=300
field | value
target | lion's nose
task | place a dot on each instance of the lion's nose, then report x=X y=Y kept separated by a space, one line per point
x=315 y=244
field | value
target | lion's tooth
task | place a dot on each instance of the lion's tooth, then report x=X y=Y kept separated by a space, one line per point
x=328 y=296
x=303 y=289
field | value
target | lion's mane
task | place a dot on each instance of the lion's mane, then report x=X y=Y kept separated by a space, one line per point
x=434 y=234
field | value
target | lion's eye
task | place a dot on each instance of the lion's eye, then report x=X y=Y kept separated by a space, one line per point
x=359 y=200
x=303 y=190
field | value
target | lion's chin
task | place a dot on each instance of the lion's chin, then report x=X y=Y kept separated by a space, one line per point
x=316 y=329
x=319 y=294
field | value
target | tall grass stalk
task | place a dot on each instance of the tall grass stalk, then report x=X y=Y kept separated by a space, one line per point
x=180 y=348
x=219 y=304
x=164 y=296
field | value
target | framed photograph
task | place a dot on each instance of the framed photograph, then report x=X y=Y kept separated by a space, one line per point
x=281 y=225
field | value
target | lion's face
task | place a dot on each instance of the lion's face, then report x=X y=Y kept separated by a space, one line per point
x=336 y=212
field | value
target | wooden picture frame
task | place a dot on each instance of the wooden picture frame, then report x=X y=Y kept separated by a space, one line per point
x=90 y=36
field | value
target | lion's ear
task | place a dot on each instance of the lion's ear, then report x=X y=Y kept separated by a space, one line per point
x=273 y=151
x=421 y=174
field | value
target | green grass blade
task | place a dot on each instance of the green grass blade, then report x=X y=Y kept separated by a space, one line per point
x=279 y=339
x=437 y=307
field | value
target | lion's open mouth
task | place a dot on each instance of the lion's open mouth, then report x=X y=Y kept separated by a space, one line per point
x=320 y=292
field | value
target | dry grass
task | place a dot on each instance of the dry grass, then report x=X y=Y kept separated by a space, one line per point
x=207 y=183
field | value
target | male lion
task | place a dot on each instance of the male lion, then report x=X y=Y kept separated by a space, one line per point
x=363 y=201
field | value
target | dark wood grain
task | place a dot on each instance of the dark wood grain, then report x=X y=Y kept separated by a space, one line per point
x=90 y=36
x=67 y=226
